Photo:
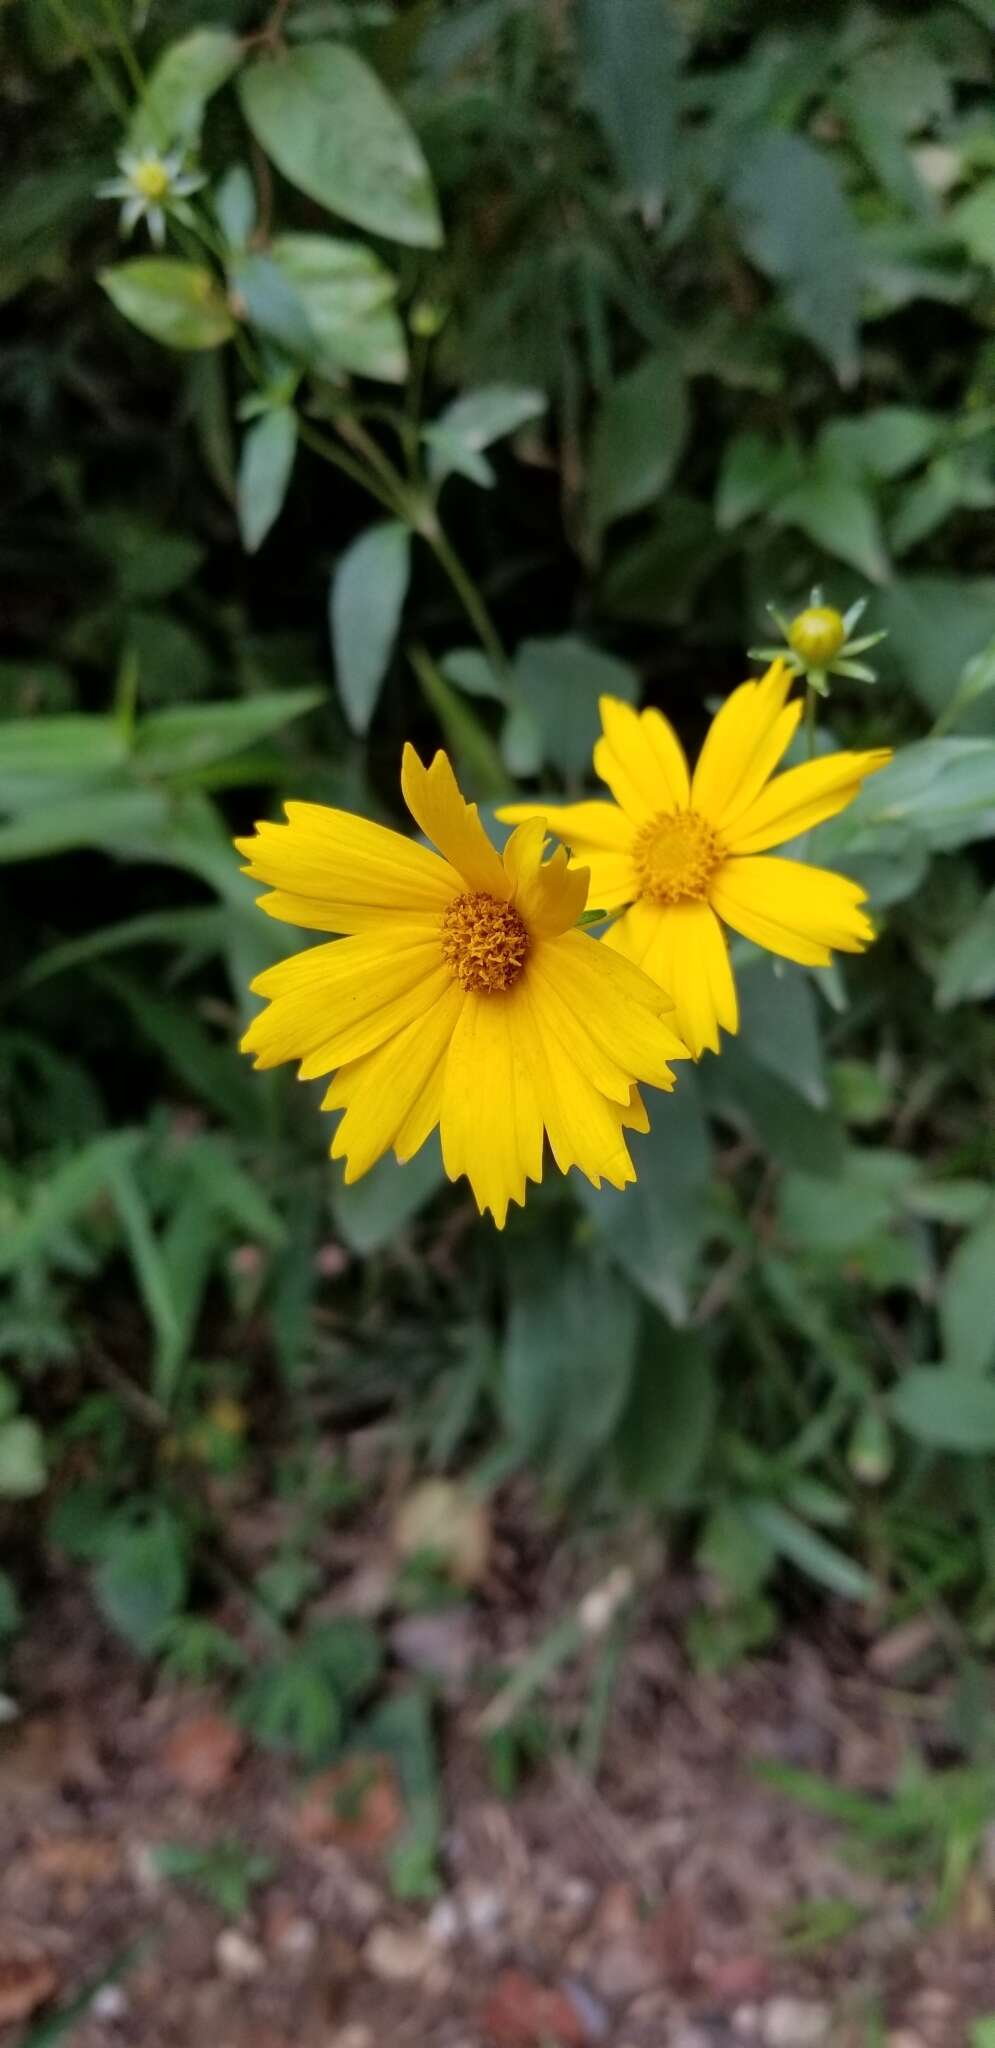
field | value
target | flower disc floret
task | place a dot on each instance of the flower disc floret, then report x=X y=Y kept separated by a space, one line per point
x=484 y=942
x=151 y=177
x=675 y=857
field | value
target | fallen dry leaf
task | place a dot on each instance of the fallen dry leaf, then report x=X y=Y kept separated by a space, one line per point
x=356 y=1805
x=25 y=1984
x=521 y=2013
x=201 y=1753
x=77 y=1859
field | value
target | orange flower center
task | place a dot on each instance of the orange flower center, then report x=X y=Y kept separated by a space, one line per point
x=484 y=943
x=676 y=855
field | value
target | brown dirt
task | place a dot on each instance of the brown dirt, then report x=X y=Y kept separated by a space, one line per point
x=647 y=1913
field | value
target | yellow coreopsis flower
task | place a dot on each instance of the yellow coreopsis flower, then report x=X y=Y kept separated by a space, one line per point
x=461 y=996
x=685 y=855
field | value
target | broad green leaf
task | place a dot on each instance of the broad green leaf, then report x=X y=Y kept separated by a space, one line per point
x=57 y=1198
x=182 y=738
x=180 y=304
x=973 y=222
x=966 y=970
x=569 y=1354
x=472 y=672
x=479 y=765
x=347 y=295
x=141 y=1581
x=179 y=86
x=329 y=126
x=631 y=54
x=272 y=304
x=22 y=1459
x=949 y=1407
x=471 y=423
x=264 y=472
x=751 y=1096
x=967 y=1300
x=39 y=756
x=368 y=588
x=779 y=1026
x=664 y=1434
x=797 y=227
x=377 y=1208
x=638 y=438
x=234 y=202
x=754 y=473
x=838 y=513
x=558 y=681
x=819 y=1559
x=884 y=442
x=935 y=625
x=655 y=1229
x=835 y=1215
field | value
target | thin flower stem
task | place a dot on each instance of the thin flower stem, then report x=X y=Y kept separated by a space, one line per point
x=468 y=594
x=103 y=78
x=125 y=51
x=321 y=445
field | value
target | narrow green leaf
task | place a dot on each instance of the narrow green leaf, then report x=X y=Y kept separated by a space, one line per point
x=639 y=434
x=812 y=1553
x=967 y=1300
x=366 y=598
x=950 y=1407
x=264 y=472
x=179 y=86
x=631 y=53
x=664 y=1433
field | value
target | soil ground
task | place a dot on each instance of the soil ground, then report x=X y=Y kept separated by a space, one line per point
x=650 y=1912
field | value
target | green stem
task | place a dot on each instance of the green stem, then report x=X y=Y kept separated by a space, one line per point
x=102 y=77
x=125 y=51
x=810 y=711
x=467 y=592
x=330 y=452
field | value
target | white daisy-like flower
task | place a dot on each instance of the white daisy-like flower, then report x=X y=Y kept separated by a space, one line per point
x=151 y=186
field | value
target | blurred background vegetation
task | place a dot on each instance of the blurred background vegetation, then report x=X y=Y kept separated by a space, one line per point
x=508 y=353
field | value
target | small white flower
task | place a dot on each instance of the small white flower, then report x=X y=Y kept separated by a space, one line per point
x=151 y=187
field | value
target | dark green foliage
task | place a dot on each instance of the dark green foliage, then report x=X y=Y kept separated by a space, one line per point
x=671 y=311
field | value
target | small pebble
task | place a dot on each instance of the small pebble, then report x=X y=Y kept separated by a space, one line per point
x=444 y=1923
x=397 y=1955
x=237 y=1957
x=795 y=2023
x=109 y=2003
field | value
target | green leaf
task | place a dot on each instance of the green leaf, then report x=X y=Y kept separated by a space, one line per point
x=401 y=1728
x=183 y=738
x=179 y=86
x=374 y=1210
x=838 y=513
x=368 y=588
x=22 y=1459
x=180 y=304
x=291 y=1704
x=779 y=1026
x=569 y=1354
x=819 y=1559
x=558 y=682
x=973 y=222
x=59 y=1197
x=638 y=438
x=272 y=303
x=935 y=625
x=471 y=423
x=234 y=202
x=666 y=1429
x=966 y=970
x=43 y=755
x=479 y=766
x=754 y=473
x=329 y=126
x=797 y=227
x=836 y=1215
x=10 y=1608
x=141 y=1582
x=347 y=296
x=951 y=1408
x=882 y=443
x=264 y=472
x=654 y=1230
x=631 y=54
x=103 y=820
x=967 y=1300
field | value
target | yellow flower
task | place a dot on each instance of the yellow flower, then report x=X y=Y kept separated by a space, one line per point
x=461 y=996
x=681 y=854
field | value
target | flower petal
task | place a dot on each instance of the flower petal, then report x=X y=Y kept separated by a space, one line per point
x=621 y=1015
x=335 y=1003
x=682 y=946
x=744 y=744
x=641 y=759
x=593 y=823
x=383 y=1093
x=434 y=799
x=584 y=1128
x=334 y=872
x=550 y=895
x=491 y=1124
x=800 y=798
x=791 y=908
